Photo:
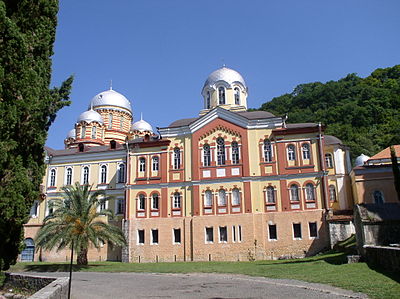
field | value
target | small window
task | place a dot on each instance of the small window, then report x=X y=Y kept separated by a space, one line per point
x=110 y=120
x=378 y=197
x=270 y=195
x=94 y=132
x=34 y=209
x=328 y=161
x=121 y=122
x=142 y=164
x=86 y=175
x=52 y=178
x=310 y=192
x=272 y=232
x=233 y=233
x=332 y=193
x=221 y=158
x=267 y=151
x=222 y=197
x=120 y=207
x=141 y=202
x=83 y=134
x=239 y=233
x=154 y=236
x=223 y=234
x=297 y=230
x=294 y=193
x=221 y=95
x=177 y=158
x=177 y=236
x=121 y=173
x=209 y=235
x=208 y=100
x=155 y=201
x=81 y=147
x=113 y=144
x=155 y=163
x=103 y=204
x=235 y=197
x=237 y=96
x=140 y=236
x=235 y=153
x=206 y=155
x=103 y=175
x=208 y=198
x=50 y=207
x=312 y=226
x=68 y=180
x=291 y=153
x=305 y=148
x=177 y=200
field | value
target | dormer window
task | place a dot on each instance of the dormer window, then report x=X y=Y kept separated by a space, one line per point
x=221 y=95
x=208 y=100
x=237 y=96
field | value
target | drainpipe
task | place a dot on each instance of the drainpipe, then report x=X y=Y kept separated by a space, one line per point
x=322 y=166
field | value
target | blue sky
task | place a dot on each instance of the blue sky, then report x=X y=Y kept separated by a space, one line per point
x=158 y=53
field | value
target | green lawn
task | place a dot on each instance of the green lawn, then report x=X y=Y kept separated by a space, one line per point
x=329 y=268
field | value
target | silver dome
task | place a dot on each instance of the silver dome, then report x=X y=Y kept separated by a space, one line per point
x=71 y=134
x=225 y=74
x=90 y=116
x=113 y=99
x=142 y=126
x=361 y=159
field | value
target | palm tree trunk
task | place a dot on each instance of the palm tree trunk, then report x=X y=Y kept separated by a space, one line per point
x=82 y=257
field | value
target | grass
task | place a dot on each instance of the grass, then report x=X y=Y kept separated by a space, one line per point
x=330 y=268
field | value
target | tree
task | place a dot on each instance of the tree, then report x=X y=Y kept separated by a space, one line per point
x=27 y=107
x=77 y=220
x=396 y=171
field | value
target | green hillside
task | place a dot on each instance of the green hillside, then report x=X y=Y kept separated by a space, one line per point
x=363 y=112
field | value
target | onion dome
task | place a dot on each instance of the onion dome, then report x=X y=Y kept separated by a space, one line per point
x=111 y=99
x=90 y=116
x=225 y=74
x=142 y=126
x=71 y=134
x=361 y=159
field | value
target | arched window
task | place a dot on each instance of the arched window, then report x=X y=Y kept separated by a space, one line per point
x=235 y=153
x=208 y=100
x=291 y=152
x=378 y=197
x=142 y=164
x=142 y=202
x=221 y=95
x=328 y=161
x=121 y=122
x=85 y=175
x=103 y=174
x=305 y=148
x=177 y=200
x=177 y=158
x=121 y=173
x=270 y=194
x=221 y=151
x=267 y=150
x=94 y=132
x=294 y=193
x=208 y=198
x=222 y=197
x=110 y=120
x=237 y=96
x=68 y=180
x=310 y=192
x=83 y=133
x=52 y=178
x=332 y=193
x=155 y=201
x=206 y=155
x=155 y=164
x=235 y=197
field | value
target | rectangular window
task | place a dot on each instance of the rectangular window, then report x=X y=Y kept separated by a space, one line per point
x=120 y=207
x=209 y=235
x=140 y=236
x=233 y=233
x=297 y=230
x=177 y=236
x=272 y=233
x=313 y=229
x=239 y=233
x=223 y=234
x=154 y=236
x=34 y=209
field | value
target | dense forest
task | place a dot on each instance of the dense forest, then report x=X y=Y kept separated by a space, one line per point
x=363 y=112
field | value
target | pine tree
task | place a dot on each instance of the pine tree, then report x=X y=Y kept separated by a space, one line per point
x=27 y=107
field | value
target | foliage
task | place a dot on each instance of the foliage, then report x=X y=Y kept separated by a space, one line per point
x=363 y=112
x=76 y=221
x=28 y=107
x=396 y=171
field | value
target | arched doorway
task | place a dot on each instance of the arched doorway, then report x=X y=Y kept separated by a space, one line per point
x=28 y=253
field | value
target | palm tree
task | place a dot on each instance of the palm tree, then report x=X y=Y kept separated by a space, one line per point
x=76 y=222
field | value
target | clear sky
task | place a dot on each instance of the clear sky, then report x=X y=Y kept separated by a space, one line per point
x=158 y=53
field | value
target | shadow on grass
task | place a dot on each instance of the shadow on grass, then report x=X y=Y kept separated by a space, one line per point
x=394 y=275
x=334 y=259
x=56 y=267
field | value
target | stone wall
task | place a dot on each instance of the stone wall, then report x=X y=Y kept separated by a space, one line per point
x=384 y=257
x=45 y=287
x=340 y=230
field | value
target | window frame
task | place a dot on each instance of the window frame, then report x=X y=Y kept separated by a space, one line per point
x=222 y=199
x=306 y=152
x=310 y=192
x=177 y=201
x=291 y=193
x=154 y=236
x=121 y=173
x=208 y=198
x=270 y=226
x=206 y=155
x=329 y=160
x=235 y=152
x=236 y=93
x=236 y=202
x=270 y=194
x=267 y=150
x=174 y=231
x=316 y=236
x=141 y=205
x=155 y=197
x=297 y=224
x=177 y=158
x=142 y=164
x=138 y=242
x=221 y=152
x=68 y=175
x=332 y=193
x=221 y=95
x=103 y=174
x=223 y=236
x=85 y=175
x=53 y=177
x=155 y=163
x=291 y=152
x=206 y=235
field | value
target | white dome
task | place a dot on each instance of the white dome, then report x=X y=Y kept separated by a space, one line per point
x=361 y=159
x=111 y=99
x=142 y=126
x=71 y=134
x=225 y=74
x=90 y=116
